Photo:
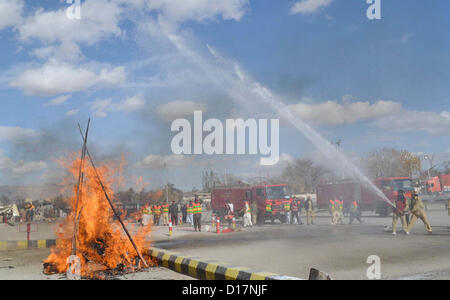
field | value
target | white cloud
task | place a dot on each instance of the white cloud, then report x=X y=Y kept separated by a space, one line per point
x=72 y=112
x=332 y=113
x=282 y=162
x=61 y=38
x=131 y=104
x=432 y=122
x=56 y=78
x=309 y=6
x=17 y=134
x=59 y=100
x=20 y=167
x=178 y=109
x=99 y=20
x=10 y=13
x=101 y=107
x=63 y=52
x=386 y=115
x=175 y=11
x=162 y=161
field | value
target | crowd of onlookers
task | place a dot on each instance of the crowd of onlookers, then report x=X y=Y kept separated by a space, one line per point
x=176 y=213
x=36 y=212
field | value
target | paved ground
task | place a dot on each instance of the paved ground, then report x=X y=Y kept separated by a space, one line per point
x=27 y=264
x=341 y=251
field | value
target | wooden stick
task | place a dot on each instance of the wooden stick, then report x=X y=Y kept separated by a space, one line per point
x=112 y=206
x=80 y=182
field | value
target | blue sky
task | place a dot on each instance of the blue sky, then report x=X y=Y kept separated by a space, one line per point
x=134 y=66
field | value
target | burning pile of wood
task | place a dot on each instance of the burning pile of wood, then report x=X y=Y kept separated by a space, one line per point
x=91 y=243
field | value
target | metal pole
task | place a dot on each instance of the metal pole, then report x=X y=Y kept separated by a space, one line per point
x=113 y=208
x=80 y=182
x=167 y=183
x=28 y=231
x=426 y=157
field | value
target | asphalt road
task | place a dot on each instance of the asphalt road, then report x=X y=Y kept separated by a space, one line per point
x=289 y=250
x=27 y=265
x=341 y=251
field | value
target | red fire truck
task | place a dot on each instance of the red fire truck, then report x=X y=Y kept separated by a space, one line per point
x=350 y=191
x=275 y=193
x=437 y=184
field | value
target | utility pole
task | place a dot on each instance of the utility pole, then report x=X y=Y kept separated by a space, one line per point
x=338 y=144
x=430 y=159
x=167 y=182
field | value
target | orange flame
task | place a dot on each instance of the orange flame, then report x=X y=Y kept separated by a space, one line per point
x=141 y=184
x=101 y=242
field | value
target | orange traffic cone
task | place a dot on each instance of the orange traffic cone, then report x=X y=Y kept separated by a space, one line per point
x=218 y=225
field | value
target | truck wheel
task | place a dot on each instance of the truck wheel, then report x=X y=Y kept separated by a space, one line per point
x=260 y=218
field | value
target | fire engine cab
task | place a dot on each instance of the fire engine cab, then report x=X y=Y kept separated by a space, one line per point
x=273 y=193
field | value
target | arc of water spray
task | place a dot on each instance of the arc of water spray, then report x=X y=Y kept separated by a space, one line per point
x=232 y=74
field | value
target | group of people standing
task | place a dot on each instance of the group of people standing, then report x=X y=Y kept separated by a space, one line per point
x=406 y=211
x=190 y=214
x=336 y=210
x=291 y=208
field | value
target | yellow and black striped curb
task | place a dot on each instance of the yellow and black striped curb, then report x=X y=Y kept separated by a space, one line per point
x=209 y=270
x=24 y=245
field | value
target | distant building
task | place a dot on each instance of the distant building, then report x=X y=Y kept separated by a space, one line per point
x=306 y=195
x=188 y=196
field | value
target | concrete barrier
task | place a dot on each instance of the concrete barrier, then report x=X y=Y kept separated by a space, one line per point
x=23 y=245
x=187 y=265
x=209 y=270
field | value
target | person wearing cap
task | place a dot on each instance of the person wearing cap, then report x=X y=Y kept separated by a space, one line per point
x=337 y=213
x=165 y=213
x=331 y=209
x=197 y=214
x=146 y=215
x=269 y=212
x=190 y=213
x=247 y=218
x=309 y=208
x=254 y=212
x=173 y=212
x=156 y=213
x=287 y=209
x=295 y=212
x=340 y=209
x=418 y=212
x=401 y=206
x=355 y=212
